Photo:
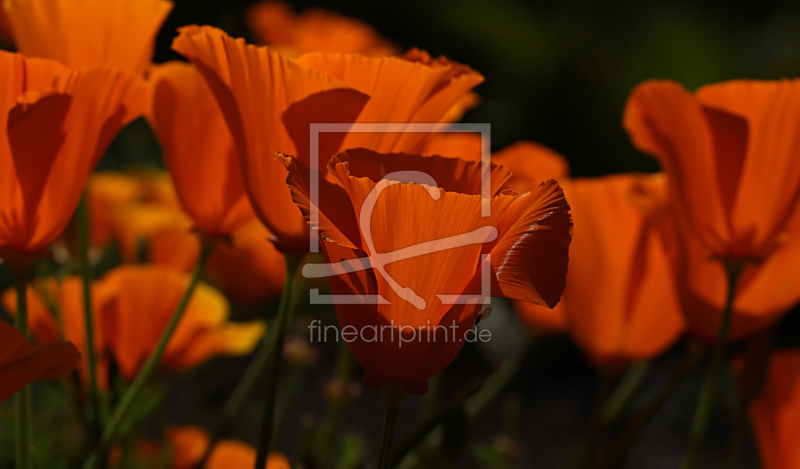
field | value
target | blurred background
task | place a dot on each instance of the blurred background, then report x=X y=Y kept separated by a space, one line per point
x=557 y=73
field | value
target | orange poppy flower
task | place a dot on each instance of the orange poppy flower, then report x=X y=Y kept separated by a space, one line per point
x=765 y=291
x=58 y=124
x=89 y=33
x=202 y=333
x=198 y=149
x=620 y=302
x=276 y=24
x=56 y=312
x=268 y=112
x=729 y=152
x=132 y=304
x=249 y=269
x=409 y=279
x=189 y=445
x=6 y=34
x=775 y=414
x=108 y=193
x=22 y=362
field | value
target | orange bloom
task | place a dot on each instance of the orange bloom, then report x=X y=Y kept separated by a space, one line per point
x=89 y=33
x=22 y=362
x=132 y=304
x=536 y=225
x=729 y=152
x=775 y=414
x=274 y=23
x=268 y=102
x=58 y=124
x=190 y=443
x=6 y=34
x=141 y=301
x=249 y=269
x=620 y=303
x=108 y=193
x=199 y=149
x=530 y=163
x=55 y=312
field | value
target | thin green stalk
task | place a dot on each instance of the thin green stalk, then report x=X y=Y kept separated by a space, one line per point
x=645 y=414
x=497 y=381
x=393 y=398
x=275 y=356
x=623 y=392
x=705 y=403
x=110 y=433
x=100 y=415
x=24 y=449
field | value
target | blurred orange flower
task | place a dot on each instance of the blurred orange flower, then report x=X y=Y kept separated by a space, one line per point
x=198 y=149
x=55 y=312
x=189 y=445
x=729 y=152
x=620 y=303
x=268 y=112
x=141 y=301
x=531 y=226
x=132 y=304
x=775 y=414
x=59 y=124
x=89 y=33
x=22 y=362
x=276 y=24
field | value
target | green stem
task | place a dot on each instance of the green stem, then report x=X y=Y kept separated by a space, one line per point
x=497 y=381
x=644 y=415
x=274 y=356
x=705 y=403
x=393 y=398
x=24 y=449
x=623 y=392
x=98 y=404
x=110 y=433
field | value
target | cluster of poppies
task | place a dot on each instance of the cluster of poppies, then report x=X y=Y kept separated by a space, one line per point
x=120 y=276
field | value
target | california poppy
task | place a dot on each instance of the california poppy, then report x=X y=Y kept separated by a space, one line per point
x=198 y=149
x=131 y=306
x=276 y=24
x=202 y=333
x=268 y=112
x=775 y=414
x=89 y=33
x=58 y=124
x=729 y=152
x=22 y=362
x=55 y=312
x=189 y=444
x=108 y=193
x=536 y=226
x=620 y=302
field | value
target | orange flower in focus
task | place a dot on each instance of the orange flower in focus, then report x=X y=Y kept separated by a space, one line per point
x=620 y=302
x=89 y=33
x=268 y=112
x=22 y=362
x=775 y=414
x=199 y=149
x=730 y=155
x=58 y=124
x=55 y=312
x=536 y=226
x=275 y=24
x=189 y=445
x=141 y=300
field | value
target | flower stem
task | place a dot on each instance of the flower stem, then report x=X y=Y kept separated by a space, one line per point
x=393 y=398
x=272 y=357
x=110 y=433
x=98 y=404
x=705 y=403
x=644 y=415
x=23 y=400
